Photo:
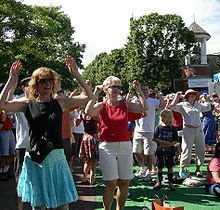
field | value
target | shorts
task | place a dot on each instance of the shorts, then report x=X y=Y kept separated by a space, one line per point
x=164 y=159
x=18 y=162
x=143 y=141
x=116 y=160
x=7 y=143
x=67 y=149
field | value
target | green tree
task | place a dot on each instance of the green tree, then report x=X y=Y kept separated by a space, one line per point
x=38 y=36
x=155 y=48
x=105 y=65
x=153 y=54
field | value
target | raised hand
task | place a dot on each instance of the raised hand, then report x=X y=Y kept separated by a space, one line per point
x=71 y=64
x=14 y=70
x=129 y=95
x=179 y=93
x=74 y=93
x=204 y=95
x=98 y=89
x=136 y=85
x=88 y=82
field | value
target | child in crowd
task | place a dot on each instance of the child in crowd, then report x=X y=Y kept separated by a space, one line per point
x=89 y=147
x=166 y=137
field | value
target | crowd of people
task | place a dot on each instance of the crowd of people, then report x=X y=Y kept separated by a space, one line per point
x=53 y=126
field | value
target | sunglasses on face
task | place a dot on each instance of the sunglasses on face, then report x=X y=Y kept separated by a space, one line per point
x=46 y=80
x=115 y=86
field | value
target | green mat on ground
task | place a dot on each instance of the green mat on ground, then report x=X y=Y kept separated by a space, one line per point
x=141 y=193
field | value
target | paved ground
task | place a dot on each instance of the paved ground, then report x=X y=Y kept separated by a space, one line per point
x=86 y=193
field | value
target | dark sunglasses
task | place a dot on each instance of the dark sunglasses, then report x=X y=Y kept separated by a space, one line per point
x=50 y=80
x=115 y=86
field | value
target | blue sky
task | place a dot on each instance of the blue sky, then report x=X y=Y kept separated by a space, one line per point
x=104 y=24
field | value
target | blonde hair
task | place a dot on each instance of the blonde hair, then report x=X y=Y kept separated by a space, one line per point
x=169 y=115
x=40 y=73
x=108 y=81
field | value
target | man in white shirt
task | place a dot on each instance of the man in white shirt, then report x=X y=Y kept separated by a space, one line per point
x=22 y=137
x=143 y=135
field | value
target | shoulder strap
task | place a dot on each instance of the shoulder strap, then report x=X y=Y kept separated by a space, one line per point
x=49 y=118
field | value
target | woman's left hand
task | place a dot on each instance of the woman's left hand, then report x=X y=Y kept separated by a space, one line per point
x=98 y=89
x=71 y=64
x=14 y=70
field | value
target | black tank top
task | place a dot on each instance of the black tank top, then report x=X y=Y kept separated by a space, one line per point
x=37 y=114
x=90 y=126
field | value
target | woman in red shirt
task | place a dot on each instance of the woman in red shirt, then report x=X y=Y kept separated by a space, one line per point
x=115 y=150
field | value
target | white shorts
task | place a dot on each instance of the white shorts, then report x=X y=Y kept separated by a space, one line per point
x=143 y=141
x=116 y=160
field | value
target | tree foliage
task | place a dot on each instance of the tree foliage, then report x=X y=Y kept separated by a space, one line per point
x=105 y=65
x=38 y=36
x=153 y=54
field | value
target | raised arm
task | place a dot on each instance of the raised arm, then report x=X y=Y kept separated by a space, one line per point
x=93 y=109
x=15 y=105
x=74 y=71
x=160 y=98
x=76 y=101
x=169 y=101
x=205 y=106
x=176 y=99
x=140 y=107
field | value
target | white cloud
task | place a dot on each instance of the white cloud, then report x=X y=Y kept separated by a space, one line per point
x=104 y=24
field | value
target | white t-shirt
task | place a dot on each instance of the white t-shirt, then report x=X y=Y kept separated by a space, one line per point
x=147 y=124
x=22 y=131
x=78 y=129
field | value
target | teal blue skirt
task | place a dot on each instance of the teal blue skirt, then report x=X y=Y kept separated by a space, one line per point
x=47 y=184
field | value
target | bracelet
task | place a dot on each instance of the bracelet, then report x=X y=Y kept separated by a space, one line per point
x=138 y=94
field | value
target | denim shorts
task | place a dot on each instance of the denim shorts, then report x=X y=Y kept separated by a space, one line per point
x=7 y=143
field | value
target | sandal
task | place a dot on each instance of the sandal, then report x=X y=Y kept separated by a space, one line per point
x=198 y=173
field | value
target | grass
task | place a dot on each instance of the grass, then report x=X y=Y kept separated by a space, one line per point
x=142 y=194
